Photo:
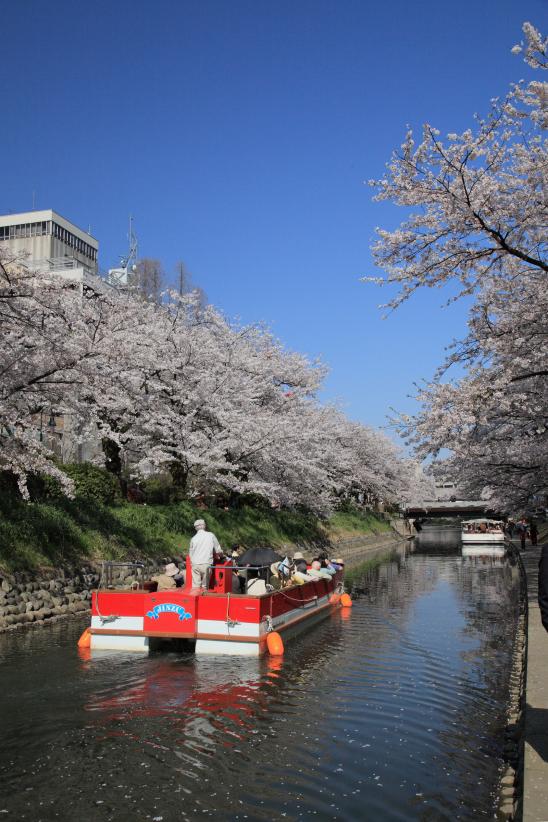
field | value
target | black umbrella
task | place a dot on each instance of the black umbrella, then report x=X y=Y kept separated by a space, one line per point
x=256 y=557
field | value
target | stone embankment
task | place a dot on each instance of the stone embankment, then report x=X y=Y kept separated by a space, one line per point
x=26 y=599
x=353 y=550
x=31 y=599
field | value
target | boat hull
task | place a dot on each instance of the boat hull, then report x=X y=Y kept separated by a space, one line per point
x=483 y=551
x=483 y=539
x=217 y=621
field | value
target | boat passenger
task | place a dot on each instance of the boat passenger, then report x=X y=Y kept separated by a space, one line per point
x=301 y=564
x=285 y=567
x=317 y=571
x=180 y=578
x=301 y=578
x=324 y=563
x=237 y=550
x=239 y=577
x=166 y=581
x=275 y=580
x=204 y=545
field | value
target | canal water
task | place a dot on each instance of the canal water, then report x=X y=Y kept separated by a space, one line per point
x=393 y=710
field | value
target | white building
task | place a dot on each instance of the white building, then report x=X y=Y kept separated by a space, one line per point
x=49 y=242
x=46 y=241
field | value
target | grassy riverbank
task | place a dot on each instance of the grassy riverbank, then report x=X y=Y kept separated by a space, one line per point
x=54 y=532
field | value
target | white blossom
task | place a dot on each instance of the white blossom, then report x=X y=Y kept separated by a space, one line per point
x=478 y=217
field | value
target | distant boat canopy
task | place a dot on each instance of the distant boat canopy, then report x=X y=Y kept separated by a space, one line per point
x=480 y=521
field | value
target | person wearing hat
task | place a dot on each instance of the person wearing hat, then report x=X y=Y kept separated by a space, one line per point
x=166 y=581
x=275 y=580
x=301 y=564
x=204 y=545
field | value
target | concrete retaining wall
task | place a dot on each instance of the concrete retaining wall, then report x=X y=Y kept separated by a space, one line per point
x=353 y=550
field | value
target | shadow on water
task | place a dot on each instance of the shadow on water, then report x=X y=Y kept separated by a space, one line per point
x=391 y=710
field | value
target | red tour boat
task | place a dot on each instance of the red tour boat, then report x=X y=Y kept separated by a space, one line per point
x=216 y=619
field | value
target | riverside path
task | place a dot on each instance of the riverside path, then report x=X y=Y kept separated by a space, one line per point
x=535 y=779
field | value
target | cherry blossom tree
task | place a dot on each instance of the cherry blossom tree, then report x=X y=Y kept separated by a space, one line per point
x=478 y=218
x=63 y=343
x=173 y=386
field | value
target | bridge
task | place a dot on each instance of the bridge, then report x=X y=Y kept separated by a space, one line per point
x=458 y=509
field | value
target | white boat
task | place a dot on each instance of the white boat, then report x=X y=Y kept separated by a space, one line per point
x=483 y=532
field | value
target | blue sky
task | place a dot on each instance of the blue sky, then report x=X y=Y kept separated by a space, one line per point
x=239 y=135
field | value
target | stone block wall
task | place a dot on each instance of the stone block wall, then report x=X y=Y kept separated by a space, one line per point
x=32 y=598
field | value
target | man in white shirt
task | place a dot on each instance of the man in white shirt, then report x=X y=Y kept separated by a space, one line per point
x=203 y=545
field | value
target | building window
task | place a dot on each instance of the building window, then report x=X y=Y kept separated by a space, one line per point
x=12 y=232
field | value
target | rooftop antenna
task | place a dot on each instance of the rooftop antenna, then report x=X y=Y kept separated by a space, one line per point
x=33 y=200
x=128 y=262
x=131 y=259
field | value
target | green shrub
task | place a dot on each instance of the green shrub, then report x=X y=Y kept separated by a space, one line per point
x=93 y=483
x=158 y=490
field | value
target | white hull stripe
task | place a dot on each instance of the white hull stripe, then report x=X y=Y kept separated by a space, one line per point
x=121 y=623
x=216 y=646
x=108 y=642
x=219 y=626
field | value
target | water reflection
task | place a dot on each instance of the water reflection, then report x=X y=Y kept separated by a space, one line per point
x=393 y=709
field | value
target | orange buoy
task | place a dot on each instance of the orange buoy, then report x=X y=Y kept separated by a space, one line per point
x=346 y=601
x=335 y=599
x=85 y=639
x=274 y=644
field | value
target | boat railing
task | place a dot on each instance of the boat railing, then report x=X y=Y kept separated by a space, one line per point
x=106 y=580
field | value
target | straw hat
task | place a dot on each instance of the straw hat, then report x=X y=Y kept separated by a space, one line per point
x=298 y=555
x=171 y=570
x=274 y=569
